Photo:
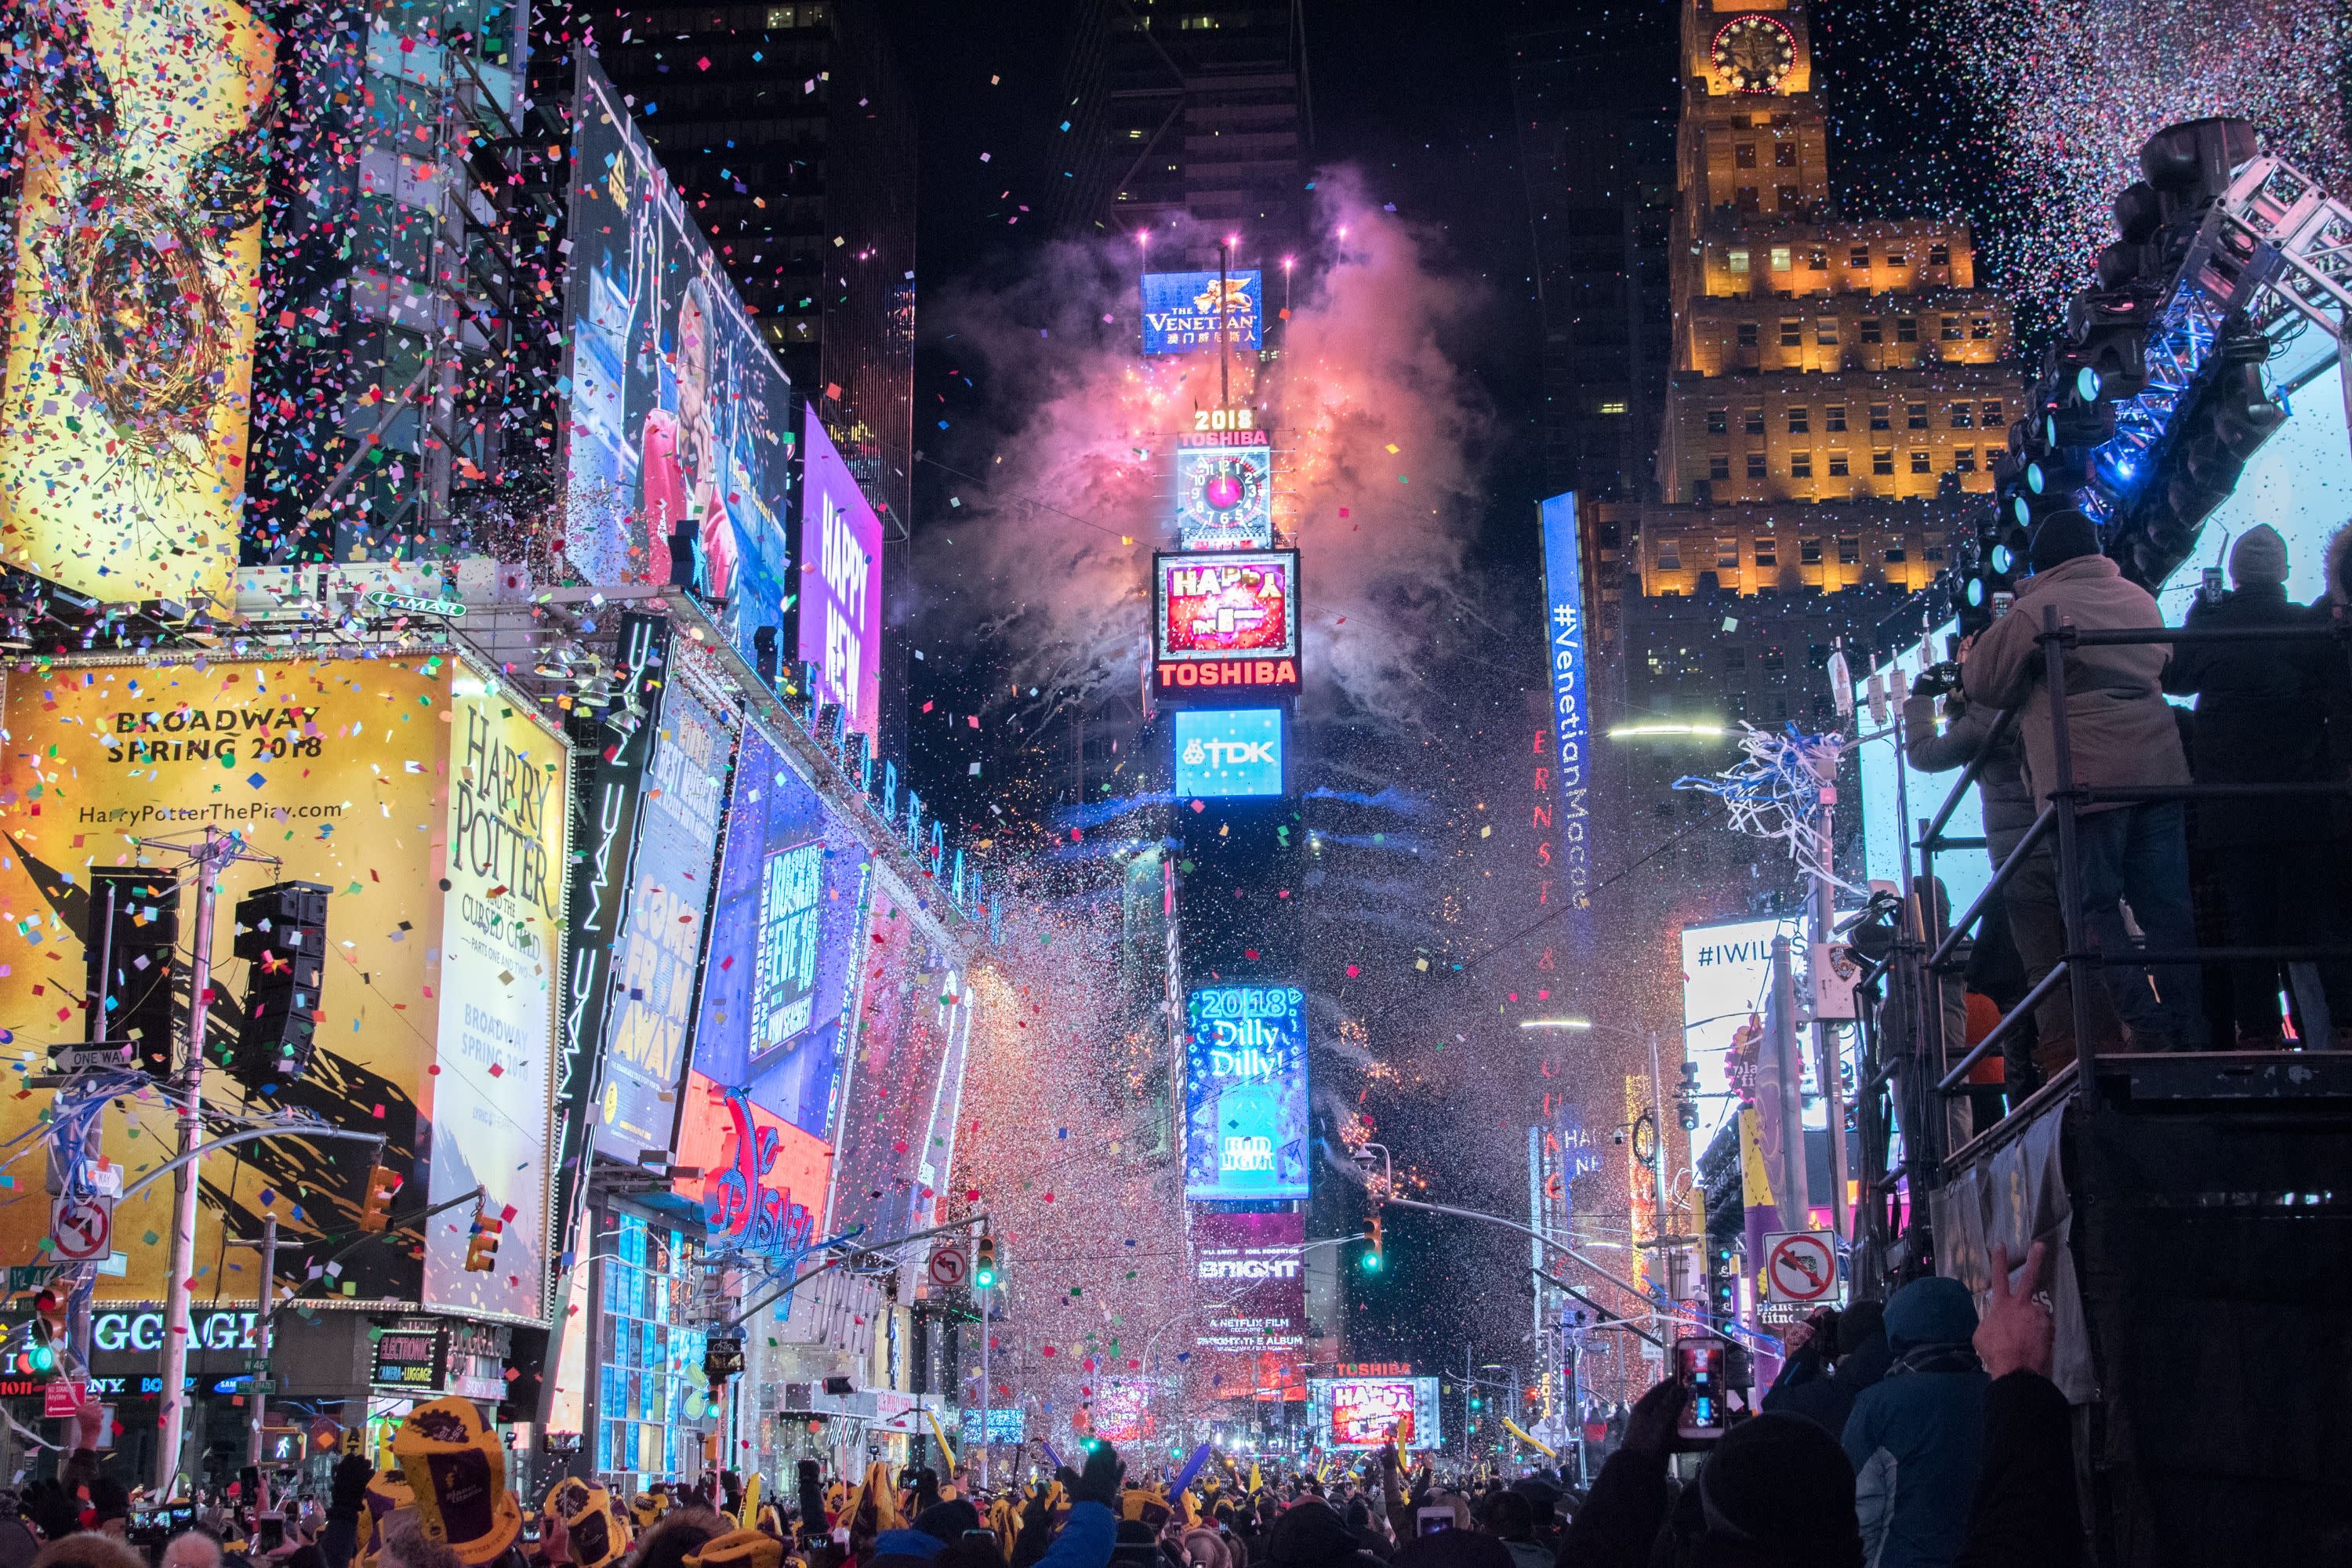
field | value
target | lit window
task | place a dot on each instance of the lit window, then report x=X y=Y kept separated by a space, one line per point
x=1915 y=416
x=1614 y=405
x=1840 y=466
x=1718 y=421
x=1849 y=550
x=1882 y=462
x=1792 y=334
x=1755 y=464
x=1833 y=417
x=1906 y=330
x=1783 y=259
x=1919 y=463
x=1746 y=334
x=1801 y=466
x=1727 y=555
x=783 y=17
x=1800 y=421
x=1718 y=466
x=1871 y=331
x=1736 y=259
x=1743 y=156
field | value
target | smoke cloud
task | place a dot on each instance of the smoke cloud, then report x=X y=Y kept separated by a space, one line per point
x=1379 y=437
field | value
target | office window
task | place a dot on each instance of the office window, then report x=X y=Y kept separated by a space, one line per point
x=1755 y=464
x=1743 y=156
x=1779 y=706
x=1882 y=462
x=1870 y=332
x=1726 y=555
x=1964 y=459
x=1840 y=468
x=1801 y=466
x=1752 y=420
x=1880 y=416
x=1949 y=328
x=1933 y=554
x=1719 y=465
x=1906 y=330
x=1898 y=258
x=1792 y=334
x=1857 y=257
x=1991 y=413
x=1772 y=660
x=1746 y=334
x=1939 y=255
x=1896 y=555
x=1825 y=331
x=649 y=1338
x=1718 y=421
x=1748 y=198
x=1833 y=417
x=1915 y=416
x=1980 y=327
x=1670 y=555
x=1817 y=656
x=1768 y=552
x=1736 y=259
x=1734 y=658
x=1817 y=262
x=1963 y=416
x=1788 y=198
x=1809 y=554
x=1784 y=154
x=1919 y=463
x=1783 y=259
x=1800 y=421
x=1849 y=549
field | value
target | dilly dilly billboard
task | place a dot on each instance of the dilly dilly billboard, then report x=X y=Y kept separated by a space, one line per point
x=125 y=409
x=1245 y=1093
x=434 y=808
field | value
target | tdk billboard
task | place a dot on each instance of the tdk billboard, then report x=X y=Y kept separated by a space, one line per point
x=1228 y=752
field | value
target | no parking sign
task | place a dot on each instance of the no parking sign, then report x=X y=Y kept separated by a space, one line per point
x=1801 y=1268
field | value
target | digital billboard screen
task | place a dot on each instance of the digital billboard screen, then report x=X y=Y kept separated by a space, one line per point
x=1229 y=619
x=658 y=950
x=1224 y=752
x=1367 y=1412
x=681 y=417
x=1225 y=491
x=841 y=600
x=125 y=405
x=777 y=977
x=1727 y=976
x=1895 y=795
x=1254 y=1347
x=1245 y=1093
x=1186 y=310
x=1571 y=719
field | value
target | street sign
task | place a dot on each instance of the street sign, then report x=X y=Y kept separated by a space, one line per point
x=1801 y=1267
x=948 y=1266
x=90 y=1059
x=62 y=1398
x=81 y=1228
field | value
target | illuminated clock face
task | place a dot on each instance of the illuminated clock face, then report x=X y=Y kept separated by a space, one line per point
x=1225 y=499
x=1754 y=54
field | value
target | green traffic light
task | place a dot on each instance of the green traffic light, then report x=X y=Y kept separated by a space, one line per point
x=1371 y=1263
x=985 y=1278
x=43 y=1359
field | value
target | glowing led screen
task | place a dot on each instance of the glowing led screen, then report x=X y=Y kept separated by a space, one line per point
x=1895 y=795
x=1228 y=752
x=1366 y=1412
x=680 y=415
x=1252 y=1346
x=1225 y=491
x=1726 y=974
x=1571 y=719
x=841 y=601
x=124 y=413
x=1224 y=620
x=1245 y=1093
x=1186 y=310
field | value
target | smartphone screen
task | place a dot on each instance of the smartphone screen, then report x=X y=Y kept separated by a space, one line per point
x=272 y=1534
x=1431 y=1521
x=1698 y=1364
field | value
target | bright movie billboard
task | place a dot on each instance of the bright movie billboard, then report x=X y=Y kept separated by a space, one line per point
x=1184 y=312
x=125 y=408
x=1225 y=491
x=1225 y=620
x=1245 y=1093
x=680 y=415
x=434 y=807
x=1254 y=1347
x=841 y=600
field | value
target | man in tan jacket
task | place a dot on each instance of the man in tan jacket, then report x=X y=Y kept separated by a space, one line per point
x=2120 y=731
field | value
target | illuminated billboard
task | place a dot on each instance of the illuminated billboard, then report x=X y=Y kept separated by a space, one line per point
x=681 y=417
x=841 y=600
x=658 y=950
x=778 y=974
x=1225 y=491
x=1186 y=310
x=126 y=400
x=1226 y=620
x=1895 y=795
x=1228 y=752
x=1367 y=1412
x=1255 y=1345
x=444 y=844
x=1727 y=976
x=1122 y=1409
x=763 y=1180
x=1245 y=1093
x=1571 y=731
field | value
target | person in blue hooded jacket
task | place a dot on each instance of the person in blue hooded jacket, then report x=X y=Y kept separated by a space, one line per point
x=1916 y=1436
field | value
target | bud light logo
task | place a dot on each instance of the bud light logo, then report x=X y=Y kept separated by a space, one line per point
x=1228 y=752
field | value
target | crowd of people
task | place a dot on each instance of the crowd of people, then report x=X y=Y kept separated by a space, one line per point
x=1916 y=1437
x=2272 y=707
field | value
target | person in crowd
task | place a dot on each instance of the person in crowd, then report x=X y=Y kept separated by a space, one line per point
x=405 y=1544
x=2025 y=1513
x=1311 y=1533
x=1916 y=1436
x=1832 y=1357
x=89 y=1549
x=1506 y=1516
x=680 y=1533
x=194 y=1547
x=1455 y=1549
x=1542 y=1493
x=2253 y=726
x=2120 y=733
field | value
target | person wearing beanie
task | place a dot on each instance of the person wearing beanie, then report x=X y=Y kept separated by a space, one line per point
x=1916 y=1436
x=2120 y=733
x=2259 y=719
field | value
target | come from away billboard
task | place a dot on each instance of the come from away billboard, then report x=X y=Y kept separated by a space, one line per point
x=1245 y=1093
x=1184 y=311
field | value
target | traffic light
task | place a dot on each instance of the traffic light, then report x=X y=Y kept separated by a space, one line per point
x=1374 y=1261
x=1686 y=1098
x=134 y=938
x=482 y=1249
x=722 y=1359
x=983 y=1269
x=375 y=1209
x=282 y=931
x=44 y=1349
